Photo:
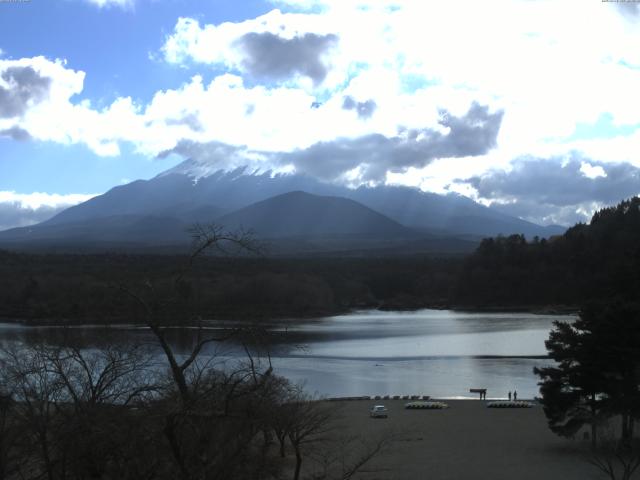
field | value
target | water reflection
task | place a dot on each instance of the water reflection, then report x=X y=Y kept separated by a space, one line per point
x=439 y=353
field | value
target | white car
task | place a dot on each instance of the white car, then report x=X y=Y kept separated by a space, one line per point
x=378 y=411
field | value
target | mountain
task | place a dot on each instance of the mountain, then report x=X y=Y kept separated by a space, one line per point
x=294 y=222
x=445 y=214
x=157 y=213
x=115 y=230
x=183 y=194
x=301 y=214
x=192 y=193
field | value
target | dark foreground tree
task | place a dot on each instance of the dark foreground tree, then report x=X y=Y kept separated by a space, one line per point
x=75 y=410
x=597 y=372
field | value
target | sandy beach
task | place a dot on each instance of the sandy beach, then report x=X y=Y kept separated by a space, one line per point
x=467 y=441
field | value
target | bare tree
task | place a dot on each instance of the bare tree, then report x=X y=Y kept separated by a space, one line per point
x=211 y=416
x=38 y=395
x=347 y=455
x=312 y=428
x=618 y=459
x=72 y=404
x=9 y=434
x=156 y=304
x=310 y=423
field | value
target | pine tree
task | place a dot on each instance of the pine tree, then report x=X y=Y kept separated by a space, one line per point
x=597 y=371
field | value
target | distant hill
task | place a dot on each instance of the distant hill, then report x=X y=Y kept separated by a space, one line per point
x=301 y=214
x=291 y=223
x=445 y=214
x=104 y=231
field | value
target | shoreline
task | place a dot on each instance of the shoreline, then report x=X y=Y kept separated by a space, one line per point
x=287 y=319
x=426 y=398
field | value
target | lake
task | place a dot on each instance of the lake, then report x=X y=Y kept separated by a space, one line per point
x=441 y=353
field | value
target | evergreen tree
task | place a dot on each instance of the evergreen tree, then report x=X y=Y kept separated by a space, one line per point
x=597 y=372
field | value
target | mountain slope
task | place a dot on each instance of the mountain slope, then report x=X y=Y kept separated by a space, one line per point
x=301 y=214
x=445 y=214
x=191 y=193
x=102 y=231
x=295 y=222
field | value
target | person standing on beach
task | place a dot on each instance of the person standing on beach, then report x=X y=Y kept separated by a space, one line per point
x=515 y=395
x=509 y=395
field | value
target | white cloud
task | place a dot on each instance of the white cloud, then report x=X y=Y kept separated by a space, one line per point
x=217 y=44
x=112 y=3
x=544 y=63
x=546 y=68
x=592 y=171
x=21 y=210
x=39 y=199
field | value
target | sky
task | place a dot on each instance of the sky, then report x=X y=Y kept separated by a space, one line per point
x=529 y=106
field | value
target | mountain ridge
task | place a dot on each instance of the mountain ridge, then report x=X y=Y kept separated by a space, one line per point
x=299 y=214
x=228 y=191
x=157 y=212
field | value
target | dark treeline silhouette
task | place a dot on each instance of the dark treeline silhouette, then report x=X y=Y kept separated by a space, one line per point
x=598 y=260
x=83 y=288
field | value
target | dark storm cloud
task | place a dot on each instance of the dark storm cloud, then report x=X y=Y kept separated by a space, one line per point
x=554 y=188
x=13 y=215
x=363 y=109
x=23 y=86
x=271 y=57
x=469 y=135
x=16 y=133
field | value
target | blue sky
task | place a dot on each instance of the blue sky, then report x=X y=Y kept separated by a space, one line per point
x=113 y=45
x=474 y=98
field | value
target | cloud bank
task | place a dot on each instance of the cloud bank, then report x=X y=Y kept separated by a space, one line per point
x=557 y=190
x=22 y=210
x=365 y=158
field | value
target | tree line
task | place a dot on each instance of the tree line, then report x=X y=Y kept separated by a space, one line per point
x=598 y=260
x=61 y=288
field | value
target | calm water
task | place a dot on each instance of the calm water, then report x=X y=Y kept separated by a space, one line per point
x=431 y=352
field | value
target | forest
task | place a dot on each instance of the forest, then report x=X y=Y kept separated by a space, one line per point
x=590 y=261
